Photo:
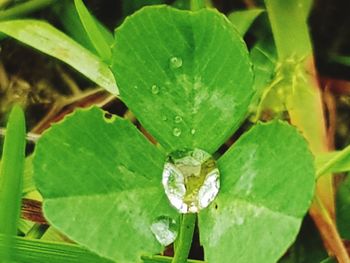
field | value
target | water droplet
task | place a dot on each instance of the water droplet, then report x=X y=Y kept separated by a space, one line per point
x=191 y=180
x=193 y=131
x=164 y=118
x=175 y=62
x=165 y=230
x=178 y=119
x=136 y=87
x=155 y=89
x=177 y=132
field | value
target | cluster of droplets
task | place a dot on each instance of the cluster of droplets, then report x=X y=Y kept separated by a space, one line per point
x=174 y=63
x=191 y=180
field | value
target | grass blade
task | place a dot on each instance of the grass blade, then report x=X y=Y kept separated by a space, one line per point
x=11 y=177
x=95 y=35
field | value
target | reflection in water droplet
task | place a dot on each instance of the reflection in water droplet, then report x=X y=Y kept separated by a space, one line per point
x=165 y=230
x=178 y=119
x=155 y=89
x=191 y=180
x=193 y=131
x=175 y=62
x=177 y=132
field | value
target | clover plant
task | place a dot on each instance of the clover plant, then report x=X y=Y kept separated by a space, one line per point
x=187 y=77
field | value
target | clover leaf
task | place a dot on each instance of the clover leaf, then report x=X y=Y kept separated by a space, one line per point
x=188 y=79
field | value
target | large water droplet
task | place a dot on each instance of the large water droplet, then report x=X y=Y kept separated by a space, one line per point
x=175 y=62
x=191 y=180
x=155 y=89
x=177 y=132
x=165 y=230
x=193 y=131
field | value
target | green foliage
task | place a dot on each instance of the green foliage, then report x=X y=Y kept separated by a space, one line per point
x=262 y=196
x=187 y=77
x=101 y=43
x=11 y=177
x=111 y=192
x=244 y=19
x=343 y=209
x=333 y=162
x=47 y=39
x=191 y=77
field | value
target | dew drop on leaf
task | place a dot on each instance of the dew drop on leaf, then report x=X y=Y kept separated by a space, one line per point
x=191 y=180
x=155 y=89
x=164 y=118
x=175 y=62
x=177 y=132
x=165 y=230
x=193 y=131
x=178 y=119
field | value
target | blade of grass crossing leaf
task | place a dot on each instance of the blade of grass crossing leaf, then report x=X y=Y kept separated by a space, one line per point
x=38 y=251
x=11 y=176
x=93 y=31
x=34 y=250
x=47 y=39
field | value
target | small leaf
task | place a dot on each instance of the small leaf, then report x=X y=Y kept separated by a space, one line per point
x=242 y=20
x=93 y=31
x=47 y=39
x=106 y=176
x=186 y=75
x=266 y=189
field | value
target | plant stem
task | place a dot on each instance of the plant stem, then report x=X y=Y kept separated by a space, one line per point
x=288 y=20
x=337 y=158
x=24 y=9
x=197 y=4
x=185 y=238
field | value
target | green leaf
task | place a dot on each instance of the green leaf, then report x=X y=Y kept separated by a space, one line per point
x=106 y=176
x=343 y=209
x=266 y=188
x=333 y=162
x=308 y=248
x=11 y=178
x=47 y=39
x=96 y=37
x=242 y=20
x=186 y=75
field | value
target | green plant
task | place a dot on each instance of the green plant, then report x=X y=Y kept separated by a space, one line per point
x=178 y=92
x=189 y=79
